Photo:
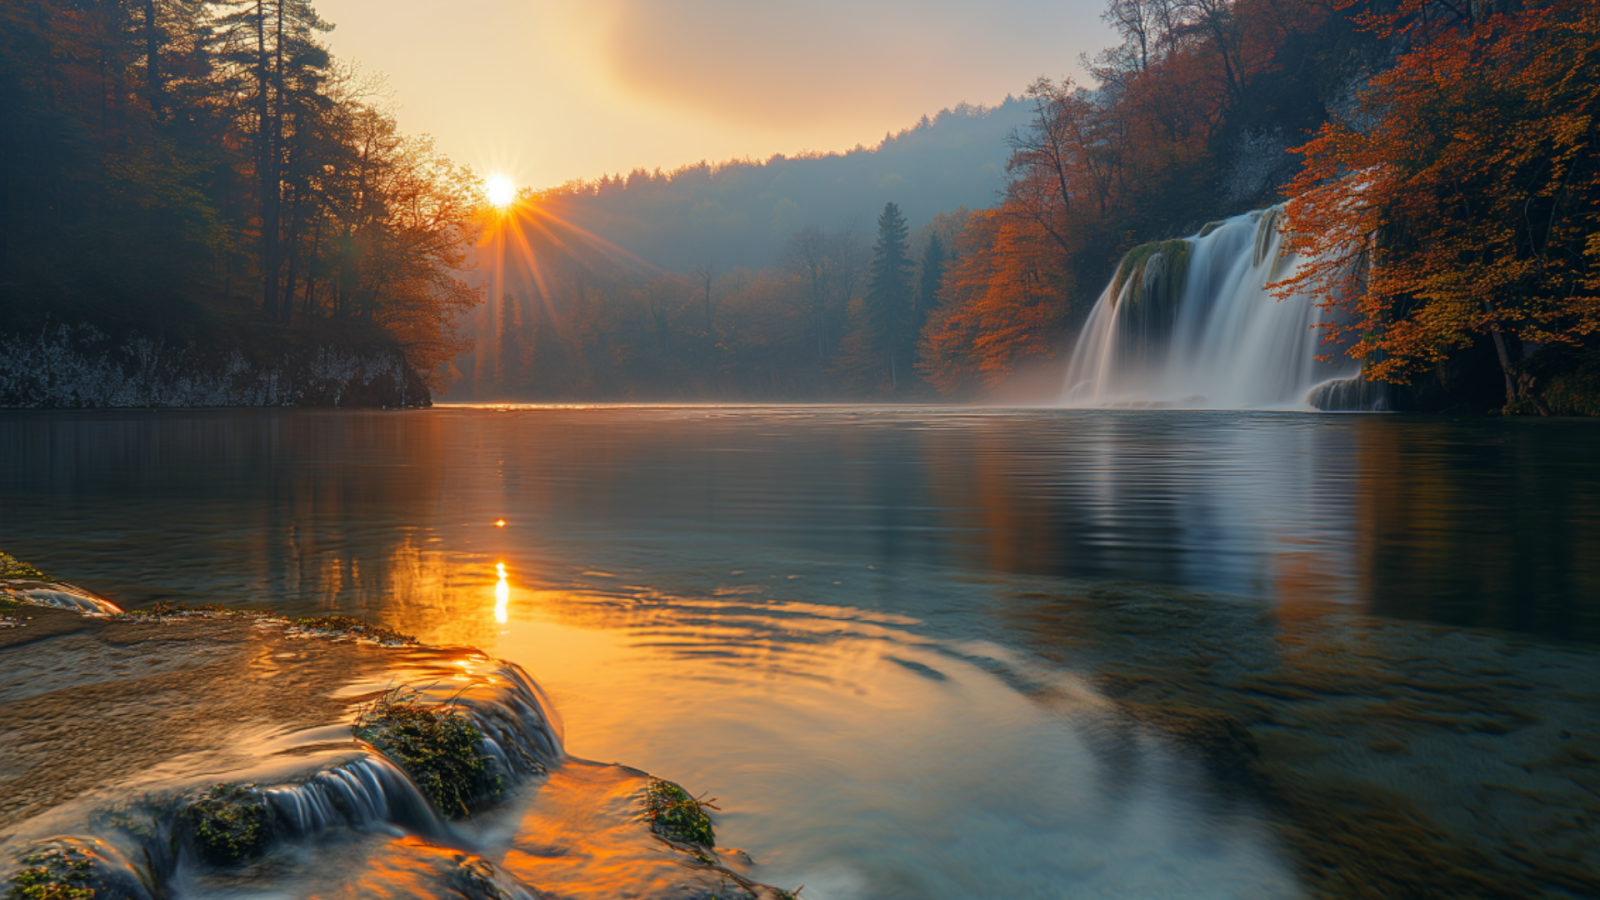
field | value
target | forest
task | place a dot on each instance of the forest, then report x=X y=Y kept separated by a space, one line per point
x=205 y=173
x=1438 y=158
x=742 y=212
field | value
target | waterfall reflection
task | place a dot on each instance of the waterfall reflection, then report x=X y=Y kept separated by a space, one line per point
x=393 y=516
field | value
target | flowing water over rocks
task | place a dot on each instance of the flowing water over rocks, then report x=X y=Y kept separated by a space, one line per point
x=1194 y=323
x=205 y=755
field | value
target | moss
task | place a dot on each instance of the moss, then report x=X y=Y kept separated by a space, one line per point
x=230 y=823
x=11 y=567
x=676 y=816
x=1148 y=286
x=54 y=874
x=348 y=625
x=438 y=747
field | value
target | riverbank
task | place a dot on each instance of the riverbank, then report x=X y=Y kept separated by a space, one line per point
x=176 y=753
x=215 y=363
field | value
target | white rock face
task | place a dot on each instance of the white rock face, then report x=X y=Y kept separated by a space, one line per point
x=79 y=367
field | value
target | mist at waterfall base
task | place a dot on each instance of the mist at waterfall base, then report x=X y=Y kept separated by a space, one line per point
x=1192 y=323
x=897 y=645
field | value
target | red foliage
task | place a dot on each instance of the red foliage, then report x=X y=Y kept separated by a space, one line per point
x=1470 y=204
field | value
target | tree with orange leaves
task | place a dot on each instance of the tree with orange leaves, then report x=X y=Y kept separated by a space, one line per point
x=1470 y=205
x=1002 y=302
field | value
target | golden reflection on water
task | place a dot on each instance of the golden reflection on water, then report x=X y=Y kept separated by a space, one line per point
x=502 y=594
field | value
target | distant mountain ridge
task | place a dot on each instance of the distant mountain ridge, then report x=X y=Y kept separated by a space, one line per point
x=741 y=213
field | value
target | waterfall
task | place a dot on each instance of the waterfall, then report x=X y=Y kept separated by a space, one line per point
x=366 y=793
x=1191 y=323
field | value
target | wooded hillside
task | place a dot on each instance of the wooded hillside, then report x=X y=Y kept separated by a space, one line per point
x=205 y=172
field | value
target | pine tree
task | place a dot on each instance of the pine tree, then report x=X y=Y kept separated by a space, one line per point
x=889 y=298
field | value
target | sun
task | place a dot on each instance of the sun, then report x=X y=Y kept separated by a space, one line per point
x=501 y=190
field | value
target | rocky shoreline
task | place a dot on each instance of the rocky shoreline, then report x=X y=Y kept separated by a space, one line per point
x=65 y=367
x=173 y=753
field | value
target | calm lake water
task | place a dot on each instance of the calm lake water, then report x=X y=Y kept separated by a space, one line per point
x=943 y=652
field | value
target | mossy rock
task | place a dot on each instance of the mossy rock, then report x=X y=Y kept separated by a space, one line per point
x=11 y=567
x=75 y=868
x=677 y=816
x=439 y=748
x=54 y=874
x=1148 y=286
x=230 y=824
x=348 y=625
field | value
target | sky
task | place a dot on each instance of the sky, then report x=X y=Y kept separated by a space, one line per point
x=547 y=91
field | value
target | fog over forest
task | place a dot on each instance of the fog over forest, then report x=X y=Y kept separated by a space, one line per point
x=741 y=212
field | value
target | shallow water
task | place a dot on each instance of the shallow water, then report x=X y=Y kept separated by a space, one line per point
x=909 y=649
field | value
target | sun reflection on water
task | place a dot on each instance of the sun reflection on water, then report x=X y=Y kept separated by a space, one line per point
x=502 y=594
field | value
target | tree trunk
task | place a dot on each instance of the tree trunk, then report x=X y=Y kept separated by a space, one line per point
x=267 y=152
x=1505 y=365
x=293 y=243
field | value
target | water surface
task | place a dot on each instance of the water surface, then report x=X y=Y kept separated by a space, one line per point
x=914 y=651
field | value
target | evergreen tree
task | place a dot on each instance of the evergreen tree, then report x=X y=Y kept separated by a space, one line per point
x=889 y=298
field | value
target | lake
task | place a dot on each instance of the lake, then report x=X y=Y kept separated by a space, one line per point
x=943 y=652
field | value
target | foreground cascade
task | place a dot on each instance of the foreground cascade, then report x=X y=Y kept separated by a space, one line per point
x=1191 y=322
x=210 y=753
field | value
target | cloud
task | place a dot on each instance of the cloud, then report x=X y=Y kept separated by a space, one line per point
x=788 y=66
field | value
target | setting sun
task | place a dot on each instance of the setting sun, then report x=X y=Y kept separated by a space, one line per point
x=501 y=190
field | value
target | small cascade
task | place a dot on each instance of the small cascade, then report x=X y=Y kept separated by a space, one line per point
x=1191 y=323
x=57 y=594
x=364 y=794
x=517 y=730
x=518 y=723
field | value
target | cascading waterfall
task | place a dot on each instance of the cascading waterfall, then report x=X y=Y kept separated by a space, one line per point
x=1191 y=323
x=363 y=794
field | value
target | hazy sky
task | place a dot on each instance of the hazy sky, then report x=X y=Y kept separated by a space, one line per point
x=550 y=90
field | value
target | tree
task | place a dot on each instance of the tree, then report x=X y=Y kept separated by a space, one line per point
x=889 y=298
x=807 y=257
x=1469 y=206
x=1002 y=302
x=928 y=285
x=828 y=267
x=706 y=273
x=275 y=40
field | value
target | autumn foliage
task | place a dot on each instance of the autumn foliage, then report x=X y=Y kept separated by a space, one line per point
x=1001 y=302
x=1100 y=171
x=1462 y=200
